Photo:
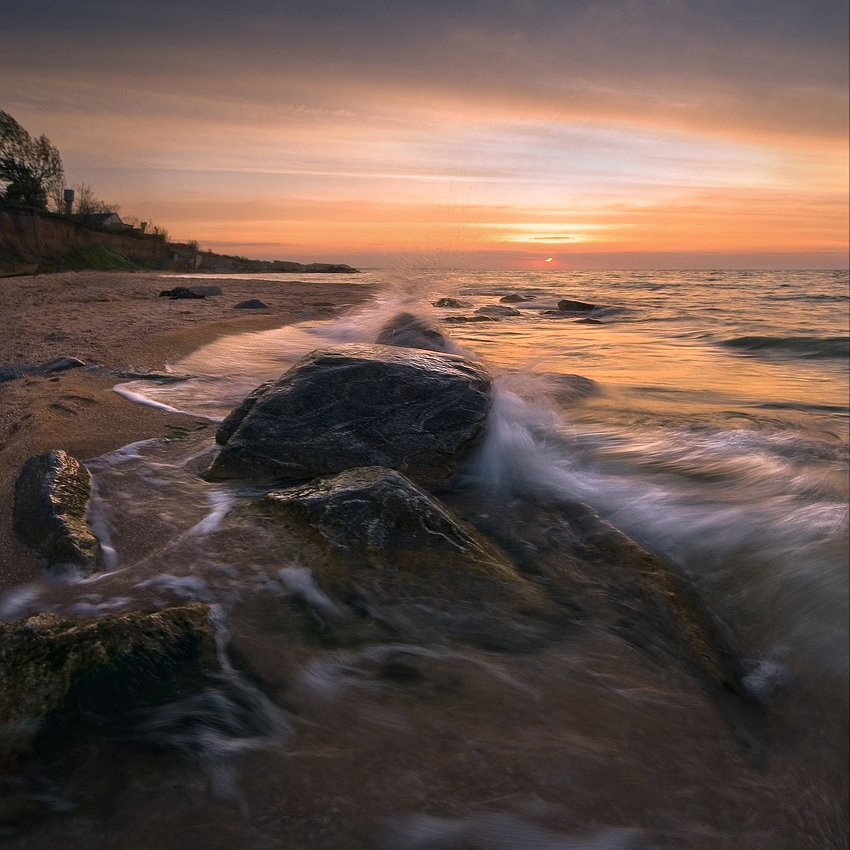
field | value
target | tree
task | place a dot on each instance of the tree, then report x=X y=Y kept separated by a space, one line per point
x=87 y=204
x=30 y=168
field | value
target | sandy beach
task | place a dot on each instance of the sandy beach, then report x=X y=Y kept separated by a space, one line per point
x=114 y=321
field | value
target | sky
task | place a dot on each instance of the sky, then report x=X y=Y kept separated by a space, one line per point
x=467 y=133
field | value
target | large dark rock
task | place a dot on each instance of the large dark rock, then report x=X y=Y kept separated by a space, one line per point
x=405 y=558
x=359 y=405
x=49 y=513
x=51 y=666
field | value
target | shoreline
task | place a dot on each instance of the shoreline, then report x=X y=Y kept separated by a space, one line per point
x=113 y=321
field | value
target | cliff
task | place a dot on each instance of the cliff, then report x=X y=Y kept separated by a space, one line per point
x=54 y=241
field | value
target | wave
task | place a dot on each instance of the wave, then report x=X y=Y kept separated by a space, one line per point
x=800 y=346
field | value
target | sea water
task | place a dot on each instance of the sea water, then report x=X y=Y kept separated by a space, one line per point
x=704 y=413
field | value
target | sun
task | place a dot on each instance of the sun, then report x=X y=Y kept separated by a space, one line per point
x=548 y=259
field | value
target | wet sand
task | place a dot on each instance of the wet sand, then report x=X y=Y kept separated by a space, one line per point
x=114 y=321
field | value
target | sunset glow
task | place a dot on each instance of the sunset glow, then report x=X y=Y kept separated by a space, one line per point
x=676 y=135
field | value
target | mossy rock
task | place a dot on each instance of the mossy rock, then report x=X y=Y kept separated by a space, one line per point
x=51 y=666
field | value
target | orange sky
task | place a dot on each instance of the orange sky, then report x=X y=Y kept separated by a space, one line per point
x=630 y=134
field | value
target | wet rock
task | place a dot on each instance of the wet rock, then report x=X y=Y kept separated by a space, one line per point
x=458 y=320
x=58 y=364
x=404 y=558
x=63 y=673
x=515 y=298
x=408 y=331
x=49 y=512
x=359 y=405
x=179 y=292
x=234 y=419
x=582 y=559
x=563 y=389
x=205 y=291
x=450 y=302
x=496 y=311
x=159 y=377
x=251 y=304
x=575 y=306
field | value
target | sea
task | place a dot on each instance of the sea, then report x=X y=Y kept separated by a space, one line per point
x=703 y=413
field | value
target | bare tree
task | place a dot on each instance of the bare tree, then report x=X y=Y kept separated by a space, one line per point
x=88 y=204
x=30 y=168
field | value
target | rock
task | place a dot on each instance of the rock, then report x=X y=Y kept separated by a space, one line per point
x=408 y=331
x=179 y=292
x=575 y=306
x=620 y=585
x=495 y=311
x=159 y=377
x=205 y=291
x=49 y=512
x=463 y=319
x=234 y=419
x=450 y=302
x=515 y=298
x=359 y=405
x=50 y=666
x=251 y=304
x=406 y=559
x=58 y=364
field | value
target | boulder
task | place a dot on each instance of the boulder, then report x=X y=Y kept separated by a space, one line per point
x=497 y=311
x=515 y=298
x=408 y=331
x=403 y=557
x=359 y=405
x=49 y=512
x=52 y=667
x=251 y=304
x=568 y=304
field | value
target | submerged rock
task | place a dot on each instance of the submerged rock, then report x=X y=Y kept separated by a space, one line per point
x=568 y=304
x=406 y=559
x=251 y=304
x=497 y=311
x=450 y=302
x=358 y=405
x=458 y=320
x=49 y=513
x=51 y=666
x=515 y=298
x=405 y=330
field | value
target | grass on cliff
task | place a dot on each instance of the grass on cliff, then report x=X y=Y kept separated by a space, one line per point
x=96 y=258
